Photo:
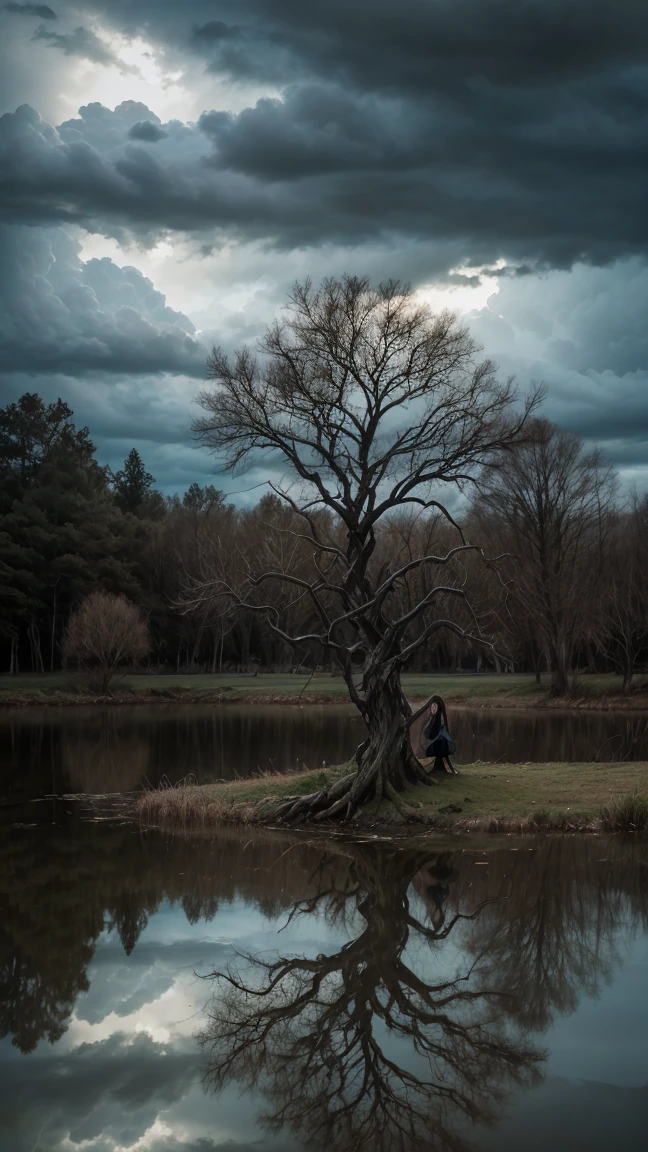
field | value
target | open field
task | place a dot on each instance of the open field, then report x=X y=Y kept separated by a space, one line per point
x=497 y=797
x=519 y=688
x=279 y=684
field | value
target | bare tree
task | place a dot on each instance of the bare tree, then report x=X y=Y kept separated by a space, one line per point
x=374 y=405
x=550 y=507
x=105 y=632
x=623 y=633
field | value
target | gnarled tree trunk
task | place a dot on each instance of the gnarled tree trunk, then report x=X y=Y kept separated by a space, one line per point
x=384 y=764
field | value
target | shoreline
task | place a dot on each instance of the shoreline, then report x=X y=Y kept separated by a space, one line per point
x=486 y=798
x=206 y=697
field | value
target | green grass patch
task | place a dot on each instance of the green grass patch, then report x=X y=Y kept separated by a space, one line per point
x=41 y=685
x=544 y=794
x=485 y=796
x=235 y=686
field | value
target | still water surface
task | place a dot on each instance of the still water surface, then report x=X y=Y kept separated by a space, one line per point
x=378 y=999
x=55 y=751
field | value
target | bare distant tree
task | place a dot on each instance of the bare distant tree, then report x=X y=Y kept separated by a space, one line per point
x=105 y=632
x=374 y=405
x=623 y=631
x=550 y=506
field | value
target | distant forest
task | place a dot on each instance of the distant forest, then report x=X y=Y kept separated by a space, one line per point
x=568 y=588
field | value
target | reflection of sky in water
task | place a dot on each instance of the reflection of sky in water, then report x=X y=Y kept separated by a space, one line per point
x=607 y=1039
x=127 y=1072
x=126 y=1075
x=595 y=1092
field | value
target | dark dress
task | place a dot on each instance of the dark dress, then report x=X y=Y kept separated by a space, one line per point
x=437 y=745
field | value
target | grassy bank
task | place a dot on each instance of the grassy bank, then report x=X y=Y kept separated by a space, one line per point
x=505 y=690
x=484 y=797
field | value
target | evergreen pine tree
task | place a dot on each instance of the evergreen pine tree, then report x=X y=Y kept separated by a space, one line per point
x=63 y=534
x=133 y=484
x=29 y=431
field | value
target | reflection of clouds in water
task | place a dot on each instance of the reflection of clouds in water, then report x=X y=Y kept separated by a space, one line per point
x=135 y=1085
x=111 y=1089
x=128 y=992
x=163 y=1018
x=110 y=1122
x=158 y=990
x=124 y=986
x=126 y=1076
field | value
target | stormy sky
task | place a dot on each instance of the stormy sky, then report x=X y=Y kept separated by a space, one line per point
x=168 y=170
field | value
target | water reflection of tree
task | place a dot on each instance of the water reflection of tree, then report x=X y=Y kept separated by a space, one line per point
x=47 y=940
x=368 y=1047
x=557 y=936
x=60 y=888
x=101 y=761
x=551 y=939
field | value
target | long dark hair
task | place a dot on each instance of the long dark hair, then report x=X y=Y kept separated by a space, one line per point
x=436 y=722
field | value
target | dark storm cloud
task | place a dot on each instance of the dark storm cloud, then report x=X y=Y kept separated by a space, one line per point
x=316 y=129
x=510 y=128
x=147 y=131
x=590 y=319
x=50 y=177
x=101 y=128
x=425 y=45
x=396 y=137
x=214 y=32
x=43 y=11
x=440 y=45
x=60 y=314
x=582 y=333
x=83 y=43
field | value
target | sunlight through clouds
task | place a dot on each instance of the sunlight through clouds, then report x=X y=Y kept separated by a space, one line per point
x=481 y=284
x=142 y=76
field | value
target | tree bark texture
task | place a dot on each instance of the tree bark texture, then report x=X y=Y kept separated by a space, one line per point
x=383 y=765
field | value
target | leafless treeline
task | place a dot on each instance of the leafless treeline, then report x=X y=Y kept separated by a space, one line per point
x=567 y=588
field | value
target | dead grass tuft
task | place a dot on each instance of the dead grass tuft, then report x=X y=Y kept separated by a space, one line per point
x=249 y=801
x=628 y=814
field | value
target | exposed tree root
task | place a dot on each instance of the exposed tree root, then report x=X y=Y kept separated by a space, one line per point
x=343 y=799
x=400 y=804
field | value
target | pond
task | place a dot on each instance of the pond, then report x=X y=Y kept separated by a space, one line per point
x=53 y=751
x=162 y=994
